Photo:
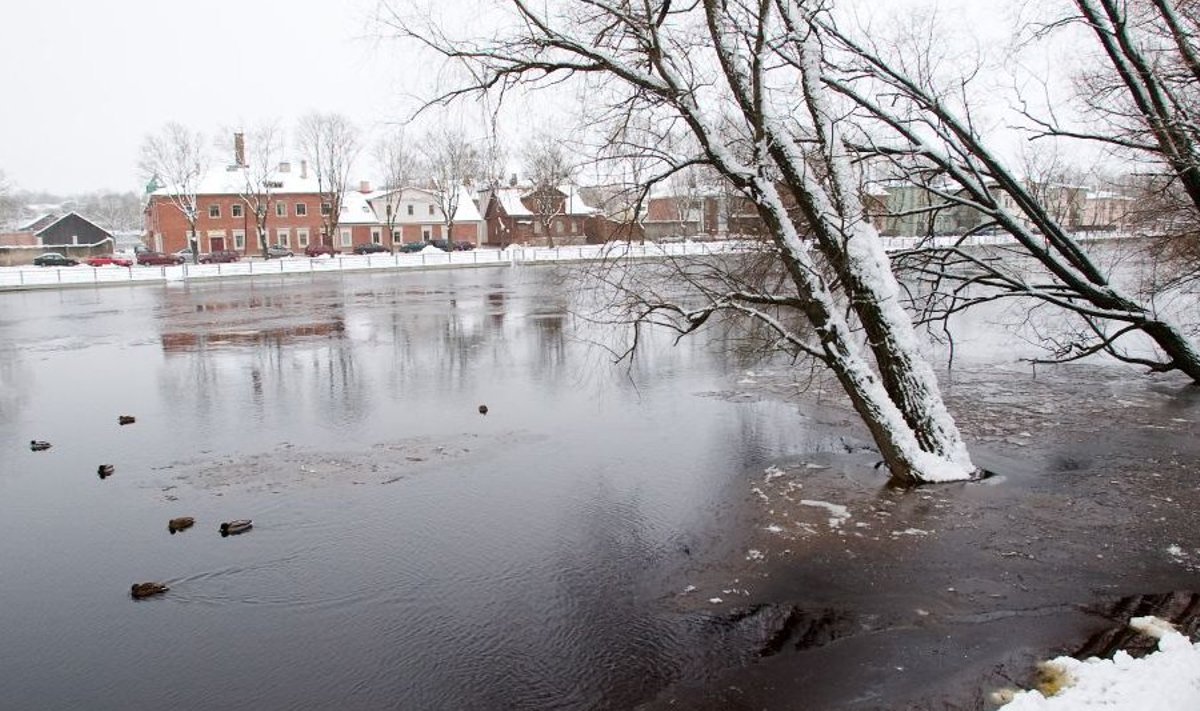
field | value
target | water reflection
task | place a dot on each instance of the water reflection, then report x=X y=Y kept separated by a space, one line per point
x=407 y=552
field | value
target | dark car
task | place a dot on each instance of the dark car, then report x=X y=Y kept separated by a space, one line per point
x=54 y=259
x=370 y=248
x=156 y=259
x=463 y=245
x=443 y=244
x=220 y=257
x=277 y=252
x=316 y=250
x=412 y=247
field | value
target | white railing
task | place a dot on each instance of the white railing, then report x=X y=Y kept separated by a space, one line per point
x=34 y=277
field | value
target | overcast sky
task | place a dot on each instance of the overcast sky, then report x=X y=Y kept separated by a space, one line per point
x=85 y=81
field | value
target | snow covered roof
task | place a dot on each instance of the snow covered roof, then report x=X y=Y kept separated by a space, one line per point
x=231 y=180
x=465 y=211
x=57 y=220
x=356 y=210
x=40 y=222
x=510 y=200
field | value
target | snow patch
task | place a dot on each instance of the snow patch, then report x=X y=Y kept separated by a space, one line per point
x=772 y=473
x=1165 y=680
x=755 y=554
x=838 y=514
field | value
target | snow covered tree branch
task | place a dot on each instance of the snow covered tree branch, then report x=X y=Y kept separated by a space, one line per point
x=725 y=74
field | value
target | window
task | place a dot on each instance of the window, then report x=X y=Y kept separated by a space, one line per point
x=301 y=209
x=376 y=236
x=302 y=238
x=558 y=227
x=410 y=209
x=431 y=209
x=281 y=209
x=537 y=228
x=426 y=232
x=214 y=211
x=236 y=210
x=239 y=239
x=347 y=238
x=283 y=239
x=326 y=208
x=396 y=236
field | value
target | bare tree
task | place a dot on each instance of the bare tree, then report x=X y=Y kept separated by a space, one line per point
x=261 y=179
x=548 y=169
x=177 y=159
x=400 y=166
x=452 y=163
x=746 y=82
x=332 y=144
x=926 y=130
x=8 y=204
x=112 y=210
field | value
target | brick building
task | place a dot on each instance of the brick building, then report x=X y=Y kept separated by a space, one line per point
x=294 y=215
x=521 y=215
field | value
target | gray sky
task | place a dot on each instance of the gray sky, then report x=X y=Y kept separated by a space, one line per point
x=85 y=81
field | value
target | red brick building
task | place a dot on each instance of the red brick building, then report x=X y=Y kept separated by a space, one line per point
x=294 y=215
x=518 y=215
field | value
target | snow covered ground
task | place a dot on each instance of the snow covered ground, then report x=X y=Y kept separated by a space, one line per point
x=1166 y=680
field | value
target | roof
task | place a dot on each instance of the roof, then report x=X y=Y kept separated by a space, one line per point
x=39 y=222
x=54 y=222
x=465 y=211
x=356 y=210
x=510 y=199
x=231 y=180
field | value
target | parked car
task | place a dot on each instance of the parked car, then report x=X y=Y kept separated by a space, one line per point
x=54 y=259
x=277 y=252
x=442 y=244
x=185 y=254
x=370 y=248
x=412 y=247
x=105 y=260
x=155 y=259
x=220 y=257
x=463 y=245
x=316 y=250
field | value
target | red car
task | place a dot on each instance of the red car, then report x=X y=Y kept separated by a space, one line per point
x=219 y=257
x=158 y=258
x=105 y=260
x=316 y=250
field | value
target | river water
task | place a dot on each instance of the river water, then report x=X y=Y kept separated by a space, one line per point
x=407 y=551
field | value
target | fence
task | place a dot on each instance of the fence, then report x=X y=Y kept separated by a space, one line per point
x=12 y=278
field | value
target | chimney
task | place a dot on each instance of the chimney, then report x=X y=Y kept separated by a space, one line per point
x=239 y=149
x=304 y=170
x=364 y=186
x=285 y=167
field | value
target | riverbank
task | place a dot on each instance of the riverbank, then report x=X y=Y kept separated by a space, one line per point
x=867 y=598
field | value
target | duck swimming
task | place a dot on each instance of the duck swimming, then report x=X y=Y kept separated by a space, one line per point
x=105 y=470
x=181 y=523
x=126 y=419
x=232 y=528
x=141 y=590
x=483 y=409
x=38 y=445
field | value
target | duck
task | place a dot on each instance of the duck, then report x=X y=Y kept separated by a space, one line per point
x=141 y=590
x=232 y=528
x=105 y=470
x=483 y=409
x=38 y=445
x=126 y=419
x=179 y=524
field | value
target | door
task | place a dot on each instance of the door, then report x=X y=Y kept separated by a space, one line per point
x=217 y=244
